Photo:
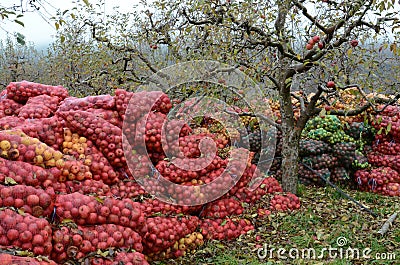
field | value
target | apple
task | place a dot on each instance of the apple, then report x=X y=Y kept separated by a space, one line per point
x=330 y=84
x=316 y=39
x=354 y=43
x=309 y=46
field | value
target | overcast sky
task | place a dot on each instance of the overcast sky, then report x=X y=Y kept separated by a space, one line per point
x=36 y=28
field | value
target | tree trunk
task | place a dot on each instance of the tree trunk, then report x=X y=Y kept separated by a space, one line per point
x=290 y=156
x=290 y=140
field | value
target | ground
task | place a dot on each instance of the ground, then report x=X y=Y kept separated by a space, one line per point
x=323 y=218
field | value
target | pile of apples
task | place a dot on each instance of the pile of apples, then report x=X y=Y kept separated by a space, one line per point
x=84 y=209
x=284 y=202
x=37 y=202
x=26 y=232
x=74 y=183
x=384 y=177
x=77 y=242
x=9 y=259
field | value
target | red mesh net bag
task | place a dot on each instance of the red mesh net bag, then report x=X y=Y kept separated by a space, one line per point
x=109 y=115
x=106 y=102
x=8 y=259
x=107 y=137
x=37 y=202
x=154 y=207
x=22 y=91
x=225 y=229
x=222 y=208
x=180 y=248
x=88 y=210
x=8 y=107
x=26 y=174
x=39 y=107
x=163 y=232
x=25 y=232
x=86 y=187
x=10 y=122
x=16 y=145
x=76 y=243
x=47 y=130
x=142 y=101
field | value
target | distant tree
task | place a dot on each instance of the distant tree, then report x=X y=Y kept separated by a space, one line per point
x=21 y=62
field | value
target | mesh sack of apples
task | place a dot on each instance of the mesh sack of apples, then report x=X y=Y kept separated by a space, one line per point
x=90 y=210
x=106 y=102
x=155 y=207
x=164 y=232
x=224 y=229
x=76 y=242
x=106 y=137
x=38 y=107
x=16 y=145
x=143 y=101
x=126 y=258
x=11 y=259
x=18 y=172
x=8 y=107
x=382 y=180
x=327 y=150
x=47 y=130
x=37 y=202
x=26 y=232
x=22 y=91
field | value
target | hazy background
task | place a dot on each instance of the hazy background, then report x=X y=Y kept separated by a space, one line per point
x=39 y=29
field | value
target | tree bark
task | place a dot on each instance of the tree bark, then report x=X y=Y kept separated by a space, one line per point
x=290 y=140
x=290 y=157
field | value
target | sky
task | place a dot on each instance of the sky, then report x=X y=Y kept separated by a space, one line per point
x=38 y=29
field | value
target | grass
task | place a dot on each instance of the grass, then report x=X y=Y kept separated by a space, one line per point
x=323 y=218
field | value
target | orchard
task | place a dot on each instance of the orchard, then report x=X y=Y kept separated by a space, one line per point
x=107 y=157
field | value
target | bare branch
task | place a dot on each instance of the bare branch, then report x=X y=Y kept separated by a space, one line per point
x=300 y=100
x=121 y=49
x=310 y=17
x=265 y=118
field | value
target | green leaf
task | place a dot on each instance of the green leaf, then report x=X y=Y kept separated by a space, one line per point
x=67 y=221
x=19 y=22
x=20 y=39
x=99 y=200
x=223 y=223
x=388 y=128
x=349 y=52
x=10 y=181
x=57 y=25
x=21 y=212
x=86 y=2
x=322 y=113
x=62 y=38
